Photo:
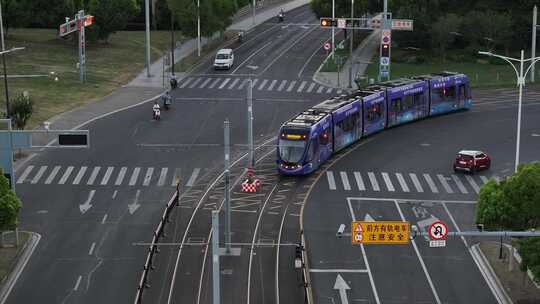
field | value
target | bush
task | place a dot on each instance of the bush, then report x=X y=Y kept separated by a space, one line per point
x=21 y=110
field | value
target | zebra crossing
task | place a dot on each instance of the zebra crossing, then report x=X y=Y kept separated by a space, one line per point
x=406 y=182
x=269 y=85
x=103 y=176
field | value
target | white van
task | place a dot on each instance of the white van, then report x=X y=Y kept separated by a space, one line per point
x=224 y=59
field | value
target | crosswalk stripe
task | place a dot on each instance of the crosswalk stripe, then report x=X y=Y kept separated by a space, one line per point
x=185 y=83
x=402 y=182
x=359 y=181
x=484 y=179
x=262 y=84
x=329 y=91
x=291 y=85
x=243 y=84
x=107 y=175
x=271 y=85
x=93 y=176
x=192 y=85
x=459 y=184
x=345 y=180
x=431 y=184
x=445 y=184
x=301 y=87
x=311 y=86
x=320 y=89
x=148 y=176
x=473 y=183
x=233 y=83
x=214 y=83
x=134 y=176
x=120 y=176
x=39 y=175
x=282 y=85
x=416 y=182
x=66 y=175
x=79 y=175
x=205 y=83
x=254 y=82
x=373 y=181
x=331 y=180
x=177 y=173
x=162 y=176
x=193 y=177
x=224 y=83
x=25 y=174
x=388 y=182
x=52 y=175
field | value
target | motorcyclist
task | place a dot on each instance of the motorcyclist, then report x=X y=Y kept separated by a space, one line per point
x=240 y=36
x=166 y=98
x=173 y=82
x=281 y=15
x=156 y=110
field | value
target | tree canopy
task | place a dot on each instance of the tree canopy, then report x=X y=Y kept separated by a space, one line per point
x=215 y=15
x=9 y=205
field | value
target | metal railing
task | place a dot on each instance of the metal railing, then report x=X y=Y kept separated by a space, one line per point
x=153 y=248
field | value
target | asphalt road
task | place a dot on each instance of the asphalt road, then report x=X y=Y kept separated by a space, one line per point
x=91 y=205
x=405 y=173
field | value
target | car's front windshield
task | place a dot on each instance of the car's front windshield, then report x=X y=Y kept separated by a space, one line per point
x=222 y=56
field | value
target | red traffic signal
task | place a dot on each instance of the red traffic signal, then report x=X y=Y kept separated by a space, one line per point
x=385 y=50
x=88 y=20
x=327 y=22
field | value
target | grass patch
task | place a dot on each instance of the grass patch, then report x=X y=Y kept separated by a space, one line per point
x=342 y=54
x=108 y=66
x=516 y=283
x=10 y=254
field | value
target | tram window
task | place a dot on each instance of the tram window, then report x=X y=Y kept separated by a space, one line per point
x=324 y=137
x=396 y=105
x=374 y=112
x=348 y=123
x=311 y=151
x=408 y=103
x=451 y=93
x=417 y=99
x=437 y=95
x=461 y=92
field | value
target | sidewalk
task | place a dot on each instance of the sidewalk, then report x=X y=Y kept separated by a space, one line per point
x=362 y=56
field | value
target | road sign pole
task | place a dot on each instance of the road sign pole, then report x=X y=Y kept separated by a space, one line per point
x=227 y=188
x=82 y=56
x=215 y=257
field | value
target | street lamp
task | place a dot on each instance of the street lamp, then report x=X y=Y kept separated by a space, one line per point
x=520 y=82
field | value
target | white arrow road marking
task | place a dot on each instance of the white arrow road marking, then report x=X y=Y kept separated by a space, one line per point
x=135 y=205
x=86 y=206
x=342 y=286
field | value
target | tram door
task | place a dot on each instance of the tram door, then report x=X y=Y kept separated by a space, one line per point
x=461 y=96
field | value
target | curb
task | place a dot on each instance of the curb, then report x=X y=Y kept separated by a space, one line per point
x=23 y=259
x=489 y=275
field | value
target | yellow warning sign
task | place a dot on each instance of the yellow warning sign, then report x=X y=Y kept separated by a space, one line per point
x=387 y=232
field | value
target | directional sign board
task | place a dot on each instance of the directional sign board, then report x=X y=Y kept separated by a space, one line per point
x=342 y=23
x=68 y=28
x=402 y=24
x=380 y=232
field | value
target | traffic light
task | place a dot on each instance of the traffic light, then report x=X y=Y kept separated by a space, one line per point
x=327 y=22
x=385 y=50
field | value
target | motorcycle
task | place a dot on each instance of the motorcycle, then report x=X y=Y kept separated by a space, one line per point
x=174 y=83
x=240 y=36
x=166 y=102
x=157 y=114
x=281 y=16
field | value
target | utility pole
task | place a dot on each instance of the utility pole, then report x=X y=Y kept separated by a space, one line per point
x=227 y=188
x=147 y=16
x=533 y=48
x=253 y=13
x=351 y=59
x=172 y=42
x=199 y=28
x=333 y=27
x=82 y=46
x=215 y=257
x=250 y=123
x=4 y=63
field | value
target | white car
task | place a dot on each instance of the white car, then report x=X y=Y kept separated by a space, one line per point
x=224 y=59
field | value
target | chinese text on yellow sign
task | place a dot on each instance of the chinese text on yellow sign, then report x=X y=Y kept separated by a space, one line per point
x=388 y=232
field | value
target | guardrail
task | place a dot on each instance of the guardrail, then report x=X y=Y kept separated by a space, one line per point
x=159 y=232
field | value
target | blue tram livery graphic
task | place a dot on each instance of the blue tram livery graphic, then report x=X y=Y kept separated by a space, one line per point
x=311 y=137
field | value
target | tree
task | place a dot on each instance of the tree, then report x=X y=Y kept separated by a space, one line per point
x=110 y=16
x=15 y=14
x=216 y=15
x=9 y=207
x=441 y=32
x=21 y=110
x=514 y=204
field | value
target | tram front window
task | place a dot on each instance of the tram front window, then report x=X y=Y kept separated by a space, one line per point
x=291 y=151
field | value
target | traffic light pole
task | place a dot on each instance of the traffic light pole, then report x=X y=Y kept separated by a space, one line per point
x=82 y=47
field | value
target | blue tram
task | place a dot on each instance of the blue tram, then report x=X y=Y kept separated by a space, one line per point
x=311 y=137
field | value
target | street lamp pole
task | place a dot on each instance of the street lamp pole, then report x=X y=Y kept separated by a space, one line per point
x=199 y=28
x=333 y=28
x=147 y=17
x=533 y=46
x=351 y=47
x=520 y=82
x=172 y=42
x=4 y=63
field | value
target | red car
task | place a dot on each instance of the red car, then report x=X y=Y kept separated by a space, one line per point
x=471 y=161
